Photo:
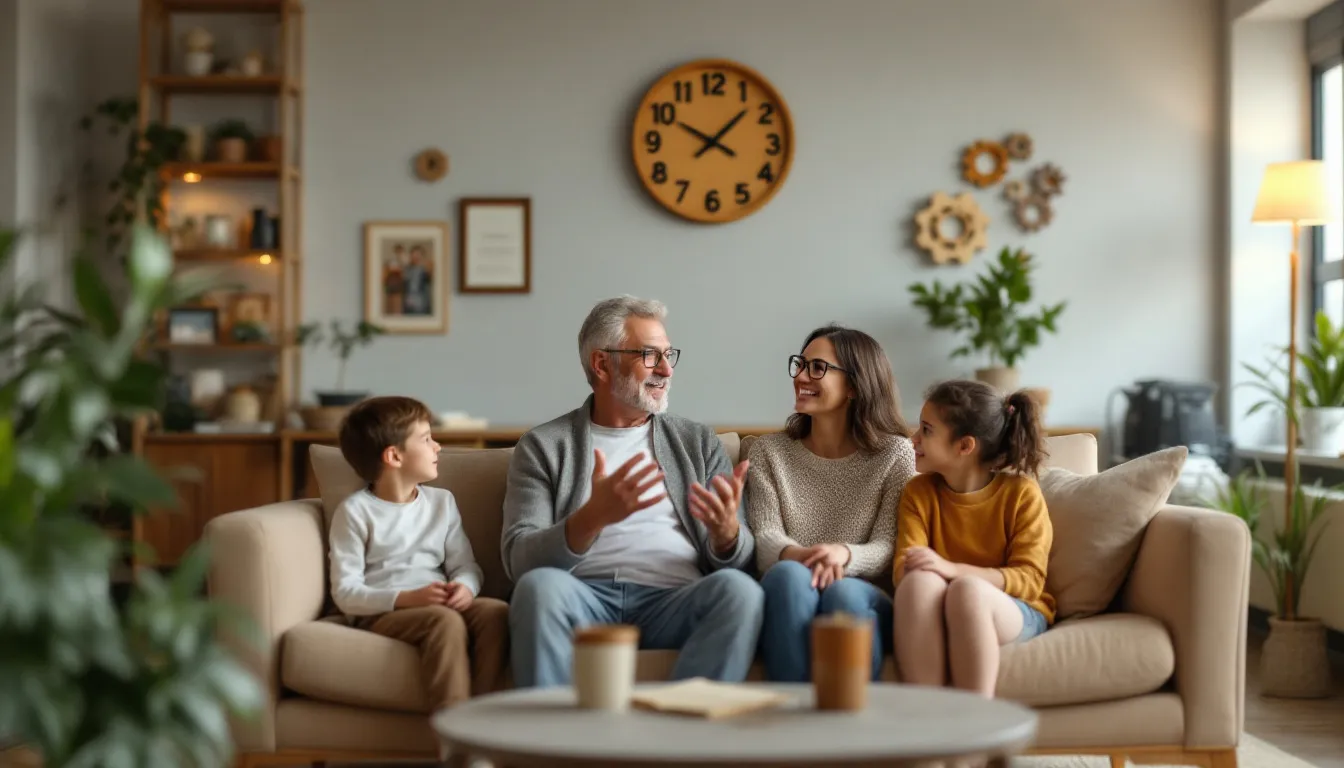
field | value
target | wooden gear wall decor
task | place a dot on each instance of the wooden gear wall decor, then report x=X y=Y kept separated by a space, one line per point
x=941 y=247
x=1032 y=212
x=1018 y=146
x=970 y=163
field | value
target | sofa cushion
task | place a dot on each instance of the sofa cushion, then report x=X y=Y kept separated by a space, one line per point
x=1078 y=661
x=330 y=661
x=1076 y=453
x=1098 y=523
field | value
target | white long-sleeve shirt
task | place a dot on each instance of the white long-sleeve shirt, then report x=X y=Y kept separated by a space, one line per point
x=381 y=548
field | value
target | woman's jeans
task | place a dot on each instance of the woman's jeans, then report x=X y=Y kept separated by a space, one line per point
x=790 y=606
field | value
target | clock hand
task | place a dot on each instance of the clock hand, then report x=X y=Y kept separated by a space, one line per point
x=710 y=141
x=721 y=132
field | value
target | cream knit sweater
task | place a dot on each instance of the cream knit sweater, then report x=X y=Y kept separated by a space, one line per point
x=798 y=498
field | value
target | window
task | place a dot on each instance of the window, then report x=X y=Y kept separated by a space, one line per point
x=1327 y=266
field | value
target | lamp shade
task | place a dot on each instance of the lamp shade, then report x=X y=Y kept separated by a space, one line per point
x=1293 y=191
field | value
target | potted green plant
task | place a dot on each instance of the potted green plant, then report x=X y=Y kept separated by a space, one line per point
x=1319 y=412
x=343 y=343
x=1293 y=662
x=90 y=679
x=991 y=311
x=231 y=138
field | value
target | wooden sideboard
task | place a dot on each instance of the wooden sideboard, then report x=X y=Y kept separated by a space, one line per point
x=215 y=474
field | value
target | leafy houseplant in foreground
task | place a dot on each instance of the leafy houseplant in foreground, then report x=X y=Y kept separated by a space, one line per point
x=86 y=680
x=991 y=312
x=1294 y=661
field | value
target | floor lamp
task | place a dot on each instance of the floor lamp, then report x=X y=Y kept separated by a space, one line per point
x=1292 y=193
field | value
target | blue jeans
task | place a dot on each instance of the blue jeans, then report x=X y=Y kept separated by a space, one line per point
x=790 y=606
x=1033 y=621
x=714 y=622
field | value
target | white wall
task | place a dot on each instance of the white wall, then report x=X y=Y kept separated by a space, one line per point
x=9 y=120
x=1271 y=122
x=535 y=98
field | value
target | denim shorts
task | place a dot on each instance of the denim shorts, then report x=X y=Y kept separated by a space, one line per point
x=1033 y=622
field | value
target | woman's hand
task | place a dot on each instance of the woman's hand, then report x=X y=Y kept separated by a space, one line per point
x=925 y=559
x=827 y=562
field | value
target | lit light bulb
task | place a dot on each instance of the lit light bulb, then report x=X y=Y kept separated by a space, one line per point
x=265 y=258
x=191 y=177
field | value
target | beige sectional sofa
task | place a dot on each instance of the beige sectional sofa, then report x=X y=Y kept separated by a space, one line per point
x=1157 y=678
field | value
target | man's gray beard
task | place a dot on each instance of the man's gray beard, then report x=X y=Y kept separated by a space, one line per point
x=632 y=393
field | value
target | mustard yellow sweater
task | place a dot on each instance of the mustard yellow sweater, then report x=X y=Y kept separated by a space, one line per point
x=1003 y=525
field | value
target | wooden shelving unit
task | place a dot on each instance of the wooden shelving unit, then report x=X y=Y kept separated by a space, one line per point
x=233 y=470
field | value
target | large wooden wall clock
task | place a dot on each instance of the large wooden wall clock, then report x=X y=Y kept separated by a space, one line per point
x=712 y=141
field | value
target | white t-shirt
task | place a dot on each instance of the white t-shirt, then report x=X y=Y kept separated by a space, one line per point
x=650 y=547
x=380 y=548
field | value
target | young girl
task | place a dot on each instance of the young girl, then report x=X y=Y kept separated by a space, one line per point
x=973 y=538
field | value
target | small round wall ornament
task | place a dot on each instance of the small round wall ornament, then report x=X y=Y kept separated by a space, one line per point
x=1032 y=212
x=951 y=228
x=431 y=165
x=1018 y=146
x=1048 y=180
x=970 y=163
x=1015 y=190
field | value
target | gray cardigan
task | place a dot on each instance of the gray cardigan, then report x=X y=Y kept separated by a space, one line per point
x=551 y=471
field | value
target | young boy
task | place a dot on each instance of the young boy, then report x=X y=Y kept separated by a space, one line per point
x=401 y=564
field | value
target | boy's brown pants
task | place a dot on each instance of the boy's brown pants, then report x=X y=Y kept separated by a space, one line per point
x=461 y=654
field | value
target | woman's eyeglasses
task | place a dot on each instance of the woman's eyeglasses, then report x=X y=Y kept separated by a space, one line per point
x=815 y=368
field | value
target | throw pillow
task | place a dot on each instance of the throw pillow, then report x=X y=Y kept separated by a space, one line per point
x=1098 y=522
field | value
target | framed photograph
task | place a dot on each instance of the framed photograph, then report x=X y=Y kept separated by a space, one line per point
x=250 y=318
x=495 y=253
x=193 y=325
x=406 y=276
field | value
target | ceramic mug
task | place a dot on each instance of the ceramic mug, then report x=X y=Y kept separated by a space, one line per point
x=604 y=666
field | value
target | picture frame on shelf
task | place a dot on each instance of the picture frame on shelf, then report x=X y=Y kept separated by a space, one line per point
x=495 y=250
x=193 y=325
x=406 y=276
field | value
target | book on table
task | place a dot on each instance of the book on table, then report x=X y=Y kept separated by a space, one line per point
x=701 y=697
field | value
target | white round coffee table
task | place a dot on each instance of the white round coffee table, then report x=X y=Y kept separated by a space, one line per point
x=900 y=726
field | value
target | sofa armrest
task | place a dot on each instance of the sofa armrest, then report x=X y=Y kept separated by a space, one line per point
x=269 y=562
x=1193 y=574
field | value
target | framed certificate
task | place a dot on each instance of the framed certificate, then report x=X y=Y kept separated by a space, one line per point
x=496 y=245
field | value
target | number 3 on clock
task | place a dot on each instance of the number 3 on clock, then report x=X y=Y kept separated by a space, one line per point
x=712 y=141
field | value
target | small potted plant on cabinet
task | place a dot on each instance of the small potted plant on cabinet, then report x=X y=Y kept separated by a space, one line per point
x=334 y=403
x=231 y=139
x=1320 y=388
x=991 y=312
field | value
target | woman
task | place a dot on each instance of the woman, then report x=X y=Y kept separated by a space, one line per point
x=823 y=498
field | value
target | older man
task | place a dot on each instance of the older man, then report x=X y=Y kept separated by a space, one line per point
x=618 y=512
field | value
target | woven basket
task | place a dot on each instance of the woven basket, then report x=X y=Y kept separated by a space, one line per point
x=1293 y=662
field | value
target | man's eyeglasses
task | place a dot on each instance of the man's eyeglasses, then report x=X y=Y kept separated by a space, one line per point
x=815 y=368
x=652 y=357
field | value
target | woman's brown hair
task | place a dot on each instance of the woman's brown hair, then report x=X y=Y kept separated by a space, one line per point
x=875 y=409
x=1007 y=429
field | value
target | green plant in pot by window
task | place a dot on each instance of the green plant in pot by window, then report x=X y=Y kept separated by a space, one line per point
x=231 y=138
x=1319 y=414
x=992 y=313
x=87 y=679
x=343 y=343
x=1293 y=661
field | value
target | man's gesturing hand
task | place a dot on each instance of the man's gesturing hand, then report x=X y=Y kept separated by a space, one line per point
x=717 y=508
x=617 y=496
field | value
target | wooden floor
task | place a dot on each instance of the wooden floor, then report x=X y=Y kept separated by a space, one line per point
x=1310 y=729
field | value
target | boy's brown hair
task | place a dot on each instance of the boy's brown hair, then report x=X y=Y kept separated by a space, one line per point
x=373 y=425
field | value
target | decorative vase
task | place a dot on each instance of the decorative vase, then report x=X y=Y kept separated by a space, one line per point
x=1293 y=661
x=268 y=148
x=195 y=146
x=263 y=231
x=219 y=231
x=198 y=63
x=1001 y=378
x=1323 y=430
x=253 y=64
x=243 y=405
x=231 y=150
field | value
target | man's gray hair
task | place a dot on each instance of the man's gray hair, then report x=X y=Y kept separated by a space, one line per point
x=604 y=328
